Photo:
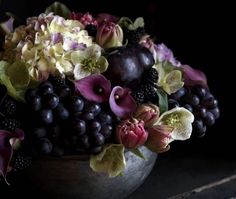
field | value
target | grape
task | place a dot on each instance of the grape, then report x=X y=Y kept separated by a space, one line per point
x=94 y=126
x=106 y=131
x=96 y=149
x=188 y=107
x=200 y=111
x=79 y=127
x=64 y=92
x=51 y=101
x=88 y=116
x=210 y=103
x=55 y=132
x=180 y=93
x=76 y=104
x=94 y=108
x=172 y=103
x=35 y=103
x=45 y=88
x=45 y=146
x=192 y=99
x=29 y=94
x=46 y=116
x=61 y=112
x=105 y=118
x=209 y=119
x=40 y=132
x=200 y=91
x=97 y=139
x=83 y=140
x=215 y=112
x=198 y=124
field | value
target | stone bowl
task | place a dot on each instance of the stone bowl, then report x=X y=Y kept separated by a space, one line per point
x=70 y=177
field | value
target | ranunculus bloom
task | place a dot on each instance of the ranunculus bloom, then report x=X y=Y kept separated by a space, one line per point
x=131 y=133
x=193 y=76
x=121 y=102
x=94 y=88
x=109 y=35
x=149 y=113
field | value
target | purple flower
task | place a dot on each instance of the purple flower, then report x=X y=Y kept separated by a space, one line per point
x=7 y=142
x=56 y=38
x=131 y=133
x=193 y=76
x=85 y=19
x=121 y=102
x=7 y=26
x=94 y=88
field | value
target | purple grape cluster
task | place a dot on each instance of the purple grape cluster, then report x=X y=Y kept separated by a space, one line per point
x=65 y=122
x=200 y=101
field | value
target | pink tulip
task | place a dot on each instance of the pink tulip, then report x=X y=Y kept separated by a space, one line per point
x=159 y=138
x=109 y=35
x=131 y=133
x=149 y=113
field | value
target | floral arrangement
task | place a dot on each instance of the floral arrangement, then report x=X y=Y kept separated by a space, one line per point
x=75 y=84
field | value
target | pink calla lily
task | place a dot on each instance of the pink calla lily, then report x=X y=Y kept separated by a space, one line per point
x=7 y=141
x=121 y=102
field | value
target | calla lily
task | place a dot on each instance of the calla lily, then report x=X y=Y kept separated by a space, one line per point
x=181 y=120
x=121 y=102
x=193 y=76
x=94 y=88
x=7 y=143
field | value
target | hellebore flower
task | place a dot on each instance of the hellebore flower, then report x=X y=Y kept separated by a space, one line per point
x=8 y=141
x=149 y=113
x=170 y=77
x=109 y=35
x=193 y=76
x=88 y=61
x=94 y=88
x=131 y=133
x=121 y=102
x=181 y=120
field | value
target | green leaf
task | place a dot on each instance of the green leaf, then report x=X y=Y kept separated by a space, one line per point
x=163 y=101
x=111 y=160
x=17 y=94
x=137 y=152
x=18 y=75
x=59 y=9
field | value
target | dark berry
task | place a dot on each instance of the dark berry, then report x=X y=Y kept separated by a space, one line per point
x=79 y=127
x=9 y=124
x=50 y=101
x=46 y=116
x=21 y=162
x=45 y=146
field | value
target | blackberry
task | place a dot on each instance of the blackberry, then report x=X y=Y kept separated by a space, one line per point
x=150 y=76
x=139 y=96
x=149 y=92
x=21 y=162
x=134 y=36
x=9 y=124
x=92 y=30
x=8 y=107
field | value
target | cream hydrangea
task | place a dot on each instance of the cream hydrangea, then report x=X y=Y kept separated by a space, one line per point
x=46 y=43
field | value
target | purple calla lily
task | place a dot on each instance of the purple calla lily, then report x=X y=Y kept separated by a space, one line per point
x=193 y=76
x=121 y=102
x=6 y=148
x=94 y=88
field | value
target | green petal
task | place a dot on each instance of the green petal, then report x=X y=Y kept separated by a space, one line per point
x=111 y=160
x=102 y=64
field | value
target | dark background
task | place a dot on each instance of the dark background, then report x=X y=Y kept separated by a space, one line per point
x=199 y=35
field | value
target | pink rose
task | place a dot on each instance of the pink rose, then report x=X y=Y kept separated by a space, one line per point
x=149 y=113
x=131 y=133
